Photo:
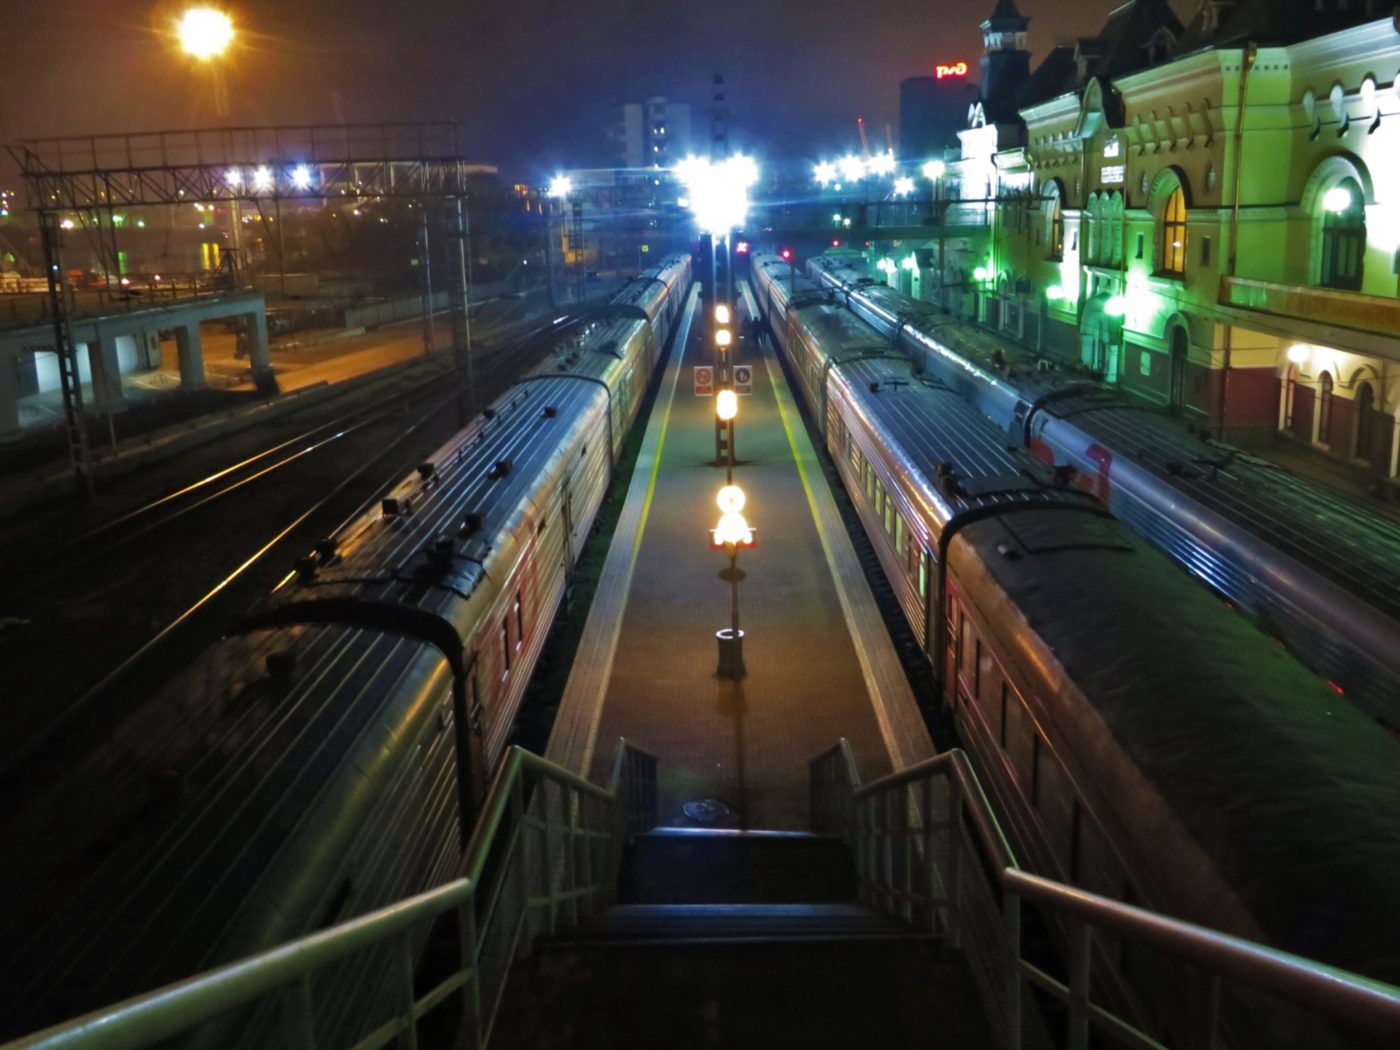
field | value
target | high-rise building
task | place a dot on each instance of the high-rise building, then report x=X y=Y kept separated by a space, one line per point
x=654 y=133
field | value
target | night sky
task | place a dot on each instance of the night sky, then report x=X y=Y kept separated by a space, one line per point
x=531 y=83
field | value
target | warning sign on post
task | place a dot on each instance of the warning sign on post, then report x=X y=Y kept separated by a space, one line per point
x=743 y=379
x=704 y=381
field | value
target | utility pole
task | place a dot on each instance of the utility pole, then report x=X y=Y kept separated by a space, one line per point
x=68 y=381
x=425 y=260
x=461 y=290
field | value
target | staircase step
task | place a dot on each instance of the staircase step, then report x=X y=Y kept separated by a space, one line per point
x=726 y=867
x=729 y=923
x=744 y=996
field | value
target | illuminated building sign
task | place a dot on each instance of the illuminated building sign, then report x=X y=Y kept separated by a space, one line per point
x=957 y=69
x=1111 y=174
x=1112 y=148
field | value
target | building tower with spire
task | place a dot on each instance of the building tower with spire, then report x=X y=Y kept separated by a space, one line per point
x=1006 y=64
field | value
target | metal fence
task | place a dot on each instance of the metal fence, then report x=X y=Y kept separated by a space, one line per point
x=929 y=850
x=544 y=855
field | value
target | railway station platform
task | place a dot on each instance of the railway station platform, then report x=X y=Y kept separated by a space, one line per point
x=820 y=663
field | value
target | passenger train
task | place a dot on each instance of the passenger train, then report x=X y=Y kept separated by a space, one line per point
x=1139 y=738
x=325 y=758
x=1317 y=571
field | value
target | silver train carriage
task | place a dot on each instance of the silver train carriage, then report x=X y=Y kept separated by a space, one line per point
x=325 y=758
x=1139 y=738
x=1317 y=571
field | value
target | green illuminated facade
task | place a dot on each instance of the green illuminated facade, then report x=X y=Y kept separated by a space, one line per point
x=1245 y=273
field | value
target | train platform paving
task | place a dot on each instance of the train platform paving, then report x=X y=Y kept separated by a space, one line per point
x=819 y=659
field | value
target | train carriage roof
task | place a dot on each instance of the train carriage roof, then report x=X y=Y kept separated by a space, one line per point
x=1292 y=791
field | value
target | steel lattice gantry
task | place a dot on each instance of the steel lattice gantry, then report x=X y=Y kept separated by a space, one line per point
x=256 y=165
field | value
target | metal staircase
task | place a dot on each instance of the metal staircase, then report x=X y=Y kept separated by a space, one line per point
x=904 y=919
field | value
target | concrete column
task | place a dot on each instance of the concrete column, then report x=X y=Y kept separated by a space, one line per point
x=148 y=348
x=9 y=392
x=106 y=374
x=257 y=342
x=190 y=348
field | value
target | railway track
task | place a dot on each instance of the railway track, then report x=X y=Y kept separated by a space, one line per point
x=102 y=604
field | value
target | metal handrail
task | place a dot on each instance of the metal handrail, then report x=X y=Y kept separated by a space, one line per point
x=567 y=893
x=912 y=865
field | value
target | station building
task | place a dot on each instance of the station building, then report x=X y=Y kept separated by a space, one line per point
x=1205 y=213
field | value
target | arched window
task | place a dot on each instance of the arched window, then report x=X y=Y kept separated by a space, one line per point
x=1365 y=420
x=1290 y=396
x=1324 y=407
x=1343 y=236
x=1171 y=256
x=1055 y=211
x=1093 y=227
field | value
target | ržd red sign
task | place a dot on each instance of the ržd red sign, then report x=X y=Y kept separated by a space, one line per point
x=957 y=69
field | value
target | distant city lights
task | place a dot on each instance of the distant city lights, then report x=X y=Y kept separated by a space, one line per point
x=852 y=167
x=824 y=173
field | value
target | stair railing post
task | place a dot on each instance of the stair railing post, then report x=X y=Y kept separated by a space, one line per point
x=1011 y=930
x=297 y=1015
x=547 y=851
x=931 y=860
x=403 y=952
x=906 y=845
x=570 y=853
x=954 y=858
x=1080 y=948
x=471 y=990
x=522 y=850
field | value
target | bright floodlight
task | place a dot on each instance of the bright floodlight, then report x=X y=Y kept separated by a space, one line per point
x=885 y=265
x=301 y=177
x=852 y=167
x=262 y=178
x=204 y=32
x=730 y=499
x=1054 y=293
x=561 y=186
x=721 y=313
x=1337 y=199
x=881 y=163
x=1299 y=353
x=981 y=273
x=903 y=186
x=934 y=169
x=824 y=173
x=1116 y=306
x=723 y=337
x=233 y=178
x=719 y=191
x=726 y=405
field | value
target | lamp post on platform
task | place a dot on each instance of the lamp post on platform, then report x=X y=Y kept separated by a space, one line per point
x=732 y=533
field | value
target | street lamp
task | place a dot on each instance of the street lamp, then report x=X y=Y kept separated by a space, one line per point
x=732 y=533
x=205 y=34
x=726 y=410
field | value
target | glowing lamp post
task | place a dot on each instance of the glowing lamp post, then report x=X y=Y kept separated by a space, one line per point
x=732 y=533
x=726 y=410
x=205 y=34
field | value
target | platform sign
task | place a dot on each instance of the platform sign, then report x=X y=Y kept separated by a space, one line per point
x=704 y=381
x=743 y=379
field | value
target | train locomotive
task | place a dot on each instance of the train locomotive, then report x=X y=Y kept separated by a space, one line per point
x=325 y=758
x=1139 y=738
x=1315 y=570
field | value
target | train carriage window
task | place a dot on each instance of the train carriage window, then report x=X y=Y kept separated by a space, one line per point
x=923 y=574
x=977 y=669
x=888 y=513
x=505 y=649
x=987 y=677
x=519 y=621
x=901 y=537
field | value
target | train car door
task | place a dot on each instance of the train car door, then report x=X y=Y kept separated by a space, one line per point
x=469 y=726
x=567 y=516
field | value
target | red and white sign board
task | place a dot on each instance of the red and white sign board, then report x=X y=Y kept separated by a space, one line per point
x=743 y=379
x=704 y=381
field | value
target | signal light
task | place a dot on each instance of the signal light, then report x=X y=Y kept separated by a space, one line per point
x=786 y=254
x=836 y=244
x=742 y=248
